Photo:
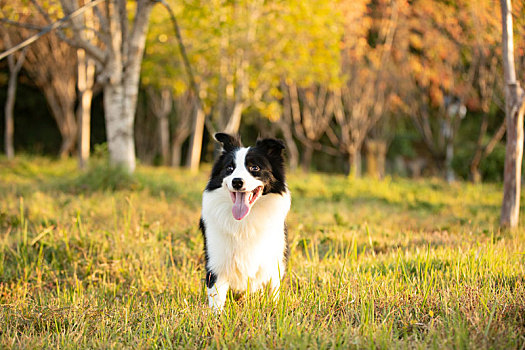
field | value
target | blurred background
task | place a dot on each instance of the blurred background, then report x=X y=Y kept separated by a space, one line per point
x=376 y=87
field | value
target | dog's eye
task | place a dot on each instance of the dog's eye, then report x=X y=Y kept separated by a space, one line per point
x=229 y=168
x=254 y=168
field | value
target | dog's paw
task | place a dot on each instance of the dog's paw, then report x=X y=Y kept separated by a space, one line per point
x=217 y=297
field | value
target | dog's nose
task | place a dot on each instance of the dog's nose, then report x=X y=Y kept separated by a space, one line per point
x=237 y=183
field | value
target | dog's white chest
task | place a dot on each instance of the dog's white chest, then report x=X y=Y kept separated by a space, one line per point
x=247 y=253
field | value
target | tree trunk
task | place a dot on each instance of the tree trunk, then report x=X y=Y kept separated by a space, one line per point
x=447 y=143
x=291 y=147
x=475 y=175
x=9 y=119
x=48 y=64
x=176 y=152
x=234 y=122
x=375 y=158
x=164 y=124
x=14 y=69
x=514 y=110
x=60 y=97
x=381 y=159
x=286 y=124
x=354 y=161
x=449 y=156
x=181 y=124
x=86 y=79
x=306 y=161
x=482 y=153
x=119 y=128
x=164 y=132
x=194 y=151
x=121 y=88
x=85 y=83
x=69 y=134
x=161 y=103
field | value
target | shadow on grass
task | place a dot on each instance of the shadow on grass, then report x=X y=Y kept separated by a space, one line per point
x=99 y=177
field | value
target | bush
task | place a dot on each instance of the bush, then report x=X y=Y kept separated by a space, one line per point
x=101 y=176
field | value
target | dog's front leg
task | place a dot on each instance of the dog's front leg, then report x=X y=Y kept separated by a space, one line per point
x=275 y=282
x=217 y=295
x=275 y=288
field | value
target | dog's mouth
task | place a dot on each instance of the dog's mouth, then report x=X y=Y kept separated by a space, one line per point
x=243 y=202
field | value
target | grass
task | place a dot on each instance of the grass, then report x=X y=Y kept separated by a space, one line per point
x=100 y=260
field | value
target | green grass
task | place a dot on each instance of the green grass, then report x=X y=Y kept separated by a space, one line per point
x=101 y=260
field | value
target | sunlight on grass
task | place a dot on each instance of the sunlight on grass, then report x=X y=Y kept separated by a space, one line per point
x=392 y=263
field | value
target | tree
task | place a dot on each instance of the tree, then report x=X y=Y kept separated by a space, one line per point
x=85 y=84
x=311 y=112
x=364 y=94
x=51 y=64
x=186 y=107
x=14 y=68
x=485 y=84
x=169 y=92
x=48 y=64
x=514 y=111
x=285 y=125
x=166 y=67
x=440 y=69
x=118 y=57
x=220 y=36
x=240 y=52
x=161 y=104
x=486 y=88
x=173 y=119
x=118 y=54
x=310 y=72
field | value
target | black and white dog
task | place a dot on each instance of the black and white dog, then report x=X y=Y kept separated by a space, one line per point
x=244 y=207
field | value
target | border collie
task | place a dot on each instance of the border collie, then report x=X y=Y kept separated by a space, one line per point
x=244 y=207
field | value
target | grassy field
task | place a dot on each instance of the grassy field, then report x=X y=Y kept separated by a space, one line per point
x=103 y=260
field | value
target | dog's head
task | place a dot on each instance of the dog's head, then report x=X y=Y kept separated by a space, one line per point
x=248 y=173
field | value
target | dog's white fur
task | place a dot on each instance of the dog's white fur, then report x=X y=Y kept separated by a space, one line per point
x=249 y=253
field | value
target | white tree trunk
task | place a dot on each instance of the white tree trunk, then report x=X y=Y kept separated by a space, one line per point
x=234 y=123
x=85 y=83
x=123 y=73
x=194 y=151
x=119 y=127
x=86 y=77
x=514 y=111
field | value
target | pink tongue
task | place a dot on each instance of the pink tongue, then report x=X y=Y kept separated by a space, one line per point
x=241 y=207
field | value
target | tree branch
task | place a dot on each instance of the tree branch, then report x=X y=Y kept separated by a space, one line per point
x=128 y=40
x=92 y=50
x=28 y=26
x=495 y=139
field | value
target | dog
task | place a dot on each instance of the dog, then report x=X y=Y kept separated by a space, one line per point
x=244 y=207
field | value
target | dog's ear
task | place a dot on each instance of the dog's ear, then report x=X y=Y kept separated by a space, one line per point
x=228 y=142
x=273 y=147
